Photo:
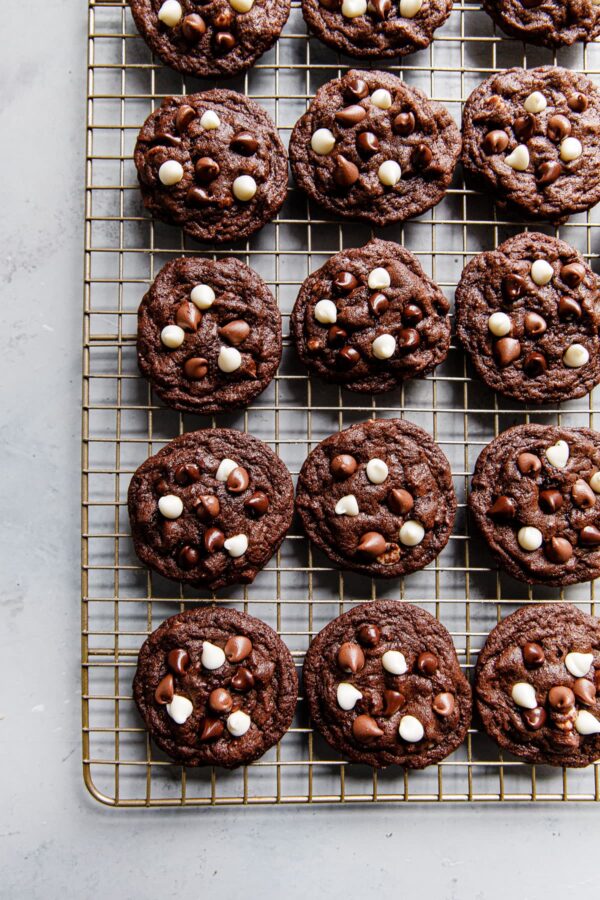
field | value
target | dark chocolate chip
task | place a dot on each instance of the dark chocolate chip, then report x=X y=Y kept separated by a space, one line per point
x=495 y=142
x=238 y=648
x=350 y=657
x=187 y=473
x=367 y=143
x=506 y=351
x=165 y=690
x=408 y=339
x=573 y=274
x=381 y=8
x=558 y=550
x=400 y=501
x=344 y=282
x=224 y=41
x=533 y=655
x=238 y=480
x=336 y=336
x=211 y=729
x=513 y=287
x=422 y=156
x=244 y=143
x=193 y=27
x=394 y=701
x=548 y=172
x=257 y=504
x=197 y=197
x=243 y=680
x=220 y=700
x=214 y=540
x=343 y=466
x=535 y=718
x=524 y=127
x=188 y=316
x=371 y=545
x=163 y=137
x=184 y=116
x=366 y=729
x=585 y=691
x=356 y=89
x=568 y=307
x=427 y=663
x=207 y=169
x=195 y=368
x=535 y=364
x=347 y=357
x=235 y=332
x=503 y=509
x=534 y=324
x=559 y=127
x=443 y=704
x=369 y=635
x=345 y=173
x=528 y=464
x=561 y=697
x=207 y=507
x=351 y=115
x=224 y=18
x=589 y=536
x=582 y=494
x=404 y=123
x=178 y=660
x=550 y=500
x=378 y=303
x=578 y=102
x=187 y=557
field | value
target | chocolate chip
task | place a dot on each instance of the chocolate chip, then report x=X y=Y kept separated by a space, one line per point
x=195 y=368
x=243 y=680
x=378 y=303
x=162 y=486
x=188 y=316
x=422 y=156
x=238 y=480
x=408 y=340
x=534 y=324
x=524 y=127
x=350 y=657
x=244 y=143
x=163 y=137
x=187 y=473
x=568 y=307
x=211 y=729
x=577 y=102
x=365 y=729
x=347 y=357
x=404 y=124
x=336 y=336
x=506 y=350
x=187 y=557
x=207 y=507
x=427 y=663
x=558 y=550
x=400 y=501
x=530 y=4
x=548 y=172
x=238 y=648
x=535 y=718
x=589 y=536
x=371 y=545
x=183 y=117
x=369 y=635
x=443 y=704
x=412 y=314
x=235 y=332
x=582 y=494
x=559 y=127
x=394 y=701
x=513 y=286
x=585 y=691
x=343 y=466
x=561 y=697
x=381 y=8
x=224 y=18
x=165 y=690
x=257 y=504
x=214 y=540
x=495 y=142
x=206 y=169
x=356 y=88
x=220 y=700
x=345 y=282
x=367 y=143
x=197 y=197
x=533 y=655
x=313 y=345
x=528 y=464
x=193 y=27
x=573 y=274
x=535 y=364
x=351 y=115
x=503 y=509
x=345 y=173
x=550 y=500
x=178 y=660
x=224 y=41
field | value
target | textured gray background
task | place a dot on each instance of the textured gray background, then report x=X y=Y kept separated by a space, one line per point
x=55 y=841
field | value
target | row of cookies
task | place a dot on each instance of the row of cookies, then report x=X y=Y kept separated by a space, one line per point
x=225 y=37
x=382 y=682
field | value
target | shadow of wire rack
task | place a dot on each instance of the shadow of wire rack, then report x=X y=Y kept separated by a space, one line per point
x=299 y=591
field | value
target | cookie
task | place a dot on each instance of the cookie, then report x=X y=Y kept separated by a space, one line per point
x=528 y=315
x=370 y=147
x=215 y=687
x=535 y=685
x=534 y=497
x=211 y=37
x=211 y=508
x=378 y=498
x=370 y=318
x=533 y=137
x=213 y=164
x=548 y=23
x=380 y=29
x=209 y=335
x=384 y=686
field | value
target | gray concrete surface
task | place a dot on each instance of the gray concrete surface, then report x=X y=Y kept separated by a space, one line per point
x=55 y=842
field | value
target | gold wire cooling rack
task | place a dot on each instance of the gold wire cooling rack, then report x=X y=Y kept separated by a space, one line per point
x=299 y=591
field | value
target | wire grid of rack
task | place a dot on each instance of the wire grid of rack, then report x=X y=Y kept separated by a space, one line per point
x=299 y=592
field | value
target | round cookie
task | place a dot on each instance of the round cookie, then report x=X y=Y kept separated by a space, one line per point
x=380 y=29
x=213 y=164
x=535 y=685
x=534 y=496
x=210 y=37
x=533 y=137
x=378 y=498
x=384 y=686
x=215 y=687
x=211 y=508
x=370 y=147
x=548 y=23
x=528 y=315
x=370 y=318
x=209 y=335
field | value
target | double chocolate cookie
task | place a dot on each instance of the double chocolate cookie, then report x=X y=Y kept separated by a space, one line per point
x=380 y=29
x=533 y=137
x=215 y=687
x=534 y=496
x=378 y=498
x=210 y=508
x=384 y=686
x=528 y=314
x=370 y=318
x=372 y=148
x=548 y=23
x=536 y=686
x=210 y=37
x=213 y=164
x=209 y=335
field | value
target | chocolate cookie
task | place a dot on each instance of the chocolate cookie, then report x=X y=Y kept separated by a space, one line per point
x=210 y=508
x=215 y=687
x=209 y=335
x=381 y=28
x=528 y=314
x=384 y=686
x=378 y=498
x=536 y=683
x=533 y=137
x=372 y=148
x=213 y=164
x=370 y=319
x=534 y=496
x=210 y=37
x=548 y=23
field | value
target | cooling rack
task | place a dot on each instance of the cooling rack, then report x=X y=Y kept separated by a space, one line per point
x=299 y=592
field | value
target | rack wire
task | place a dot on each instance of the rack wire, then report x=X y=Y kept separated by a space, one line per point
x=299 y=592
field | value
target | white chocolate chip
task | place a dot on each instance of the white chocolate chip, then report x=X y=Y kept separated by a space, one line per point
x=170 y=13
x=212 y=656
x=578 y=664
x=595 y=482
x=241 y=6
x=172 y=336
x=377 y=471
x=389 y=173
x=558 y=454
x=244 y=187
x=535 y=103
x=384 y=346
x=170 y=506
x=570 y=149
x=238 y=723
x=381 y=98
x=347 y=506
x=209 y=120
x=226 y=467
x=171 y=172
x=236 y=545
x=530 y=538
x=523 y=695
x=229 y=359
x=541 y=272
x=347 y=695
x=180 y=709
x=576 y=356
x=202 y=296
x=519 y=158
x=411 y=533
x=409 y=8
x=411 y=730
x=325 y=312
x=499 y=324
x=379 y=279
x=394 y=662
x=322 y=141
x=353 y=8
x=586 y=723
